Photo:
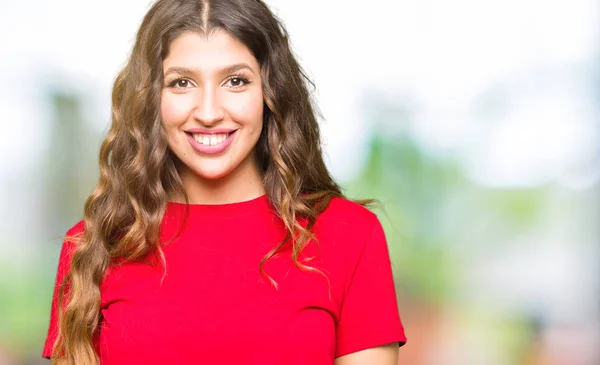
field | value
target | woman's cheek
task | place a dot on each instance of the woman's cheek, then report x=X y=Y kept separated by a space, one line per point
x=248 y=110
x=174 y=109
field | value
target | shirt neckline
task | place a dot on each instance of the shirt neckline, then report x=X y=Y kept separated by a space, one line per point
x=247 y=206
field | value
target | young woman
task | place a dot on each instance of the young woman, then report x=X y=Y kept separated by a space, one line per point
x=215 y=234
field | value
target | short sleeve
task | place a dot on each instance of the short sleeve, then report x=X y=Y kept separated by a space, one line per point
x=369 y=314
x=64 y=264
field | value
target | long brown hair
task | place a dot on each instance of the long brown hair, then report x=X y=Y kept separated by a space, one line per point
x=138 y=171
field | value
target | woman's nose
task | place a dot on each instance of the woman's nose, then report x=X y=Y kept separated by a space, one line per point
x=208 y=109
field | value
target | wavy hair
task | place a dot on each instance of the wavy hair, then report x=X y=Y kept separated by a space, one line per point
x=138 y=171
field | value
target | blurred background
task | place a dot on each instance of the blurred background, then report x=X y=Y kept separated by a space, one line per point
x=475 y=123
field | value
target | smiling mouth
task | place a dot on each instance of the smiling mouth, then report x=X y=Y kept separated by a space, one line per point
x=210 y=139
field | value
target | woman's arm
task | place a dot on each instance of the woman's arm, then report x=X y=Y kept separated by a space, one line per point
x=381 y=355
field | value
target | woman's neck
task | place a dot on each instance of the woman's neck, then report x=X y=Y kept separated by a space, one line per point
x=242 y=184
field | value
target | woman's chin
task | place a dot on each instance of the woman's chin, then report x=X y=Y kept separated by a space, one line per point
x=211 y=174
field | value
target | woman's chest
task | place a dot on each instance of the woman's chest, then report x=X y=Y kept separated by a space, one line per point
x=216 y=308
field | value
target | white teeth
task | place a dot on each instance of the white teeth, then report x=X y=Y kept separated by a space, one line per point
x=210 y=140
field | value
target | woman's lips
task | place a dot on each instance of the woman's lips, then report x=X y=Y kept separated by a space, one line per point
x=210 y=144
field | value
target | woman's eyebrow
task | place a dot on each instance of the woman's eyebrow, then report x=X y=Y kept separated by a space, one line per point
x=179 y=71
x=235 y=68
x=224 y=70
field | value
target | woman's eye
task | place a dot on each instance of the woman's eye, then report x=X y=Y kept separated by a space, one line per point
x=180 y=83
x=237 y=82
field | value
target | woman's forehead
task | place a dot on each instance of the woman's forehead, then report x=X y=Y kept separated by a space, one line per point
x=208 y=53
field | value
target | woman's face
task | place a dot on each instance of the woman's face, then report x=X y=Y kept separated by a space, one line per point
x=212 y=105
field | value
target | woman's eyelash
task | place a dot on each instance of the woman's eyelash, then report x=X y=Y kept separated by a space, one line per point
x=176 y=81
x=243 y=80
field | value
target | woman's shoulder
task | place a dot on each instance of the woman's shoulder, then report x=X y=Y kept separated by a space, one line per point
x=76 y=229
x=347 y=215
x=73 y=235
x=347 y=231
x=69 y=244
x=346 y=210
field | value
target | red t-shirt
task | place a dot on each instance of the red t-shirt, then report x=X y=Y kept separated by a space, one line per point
x=213 y=307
